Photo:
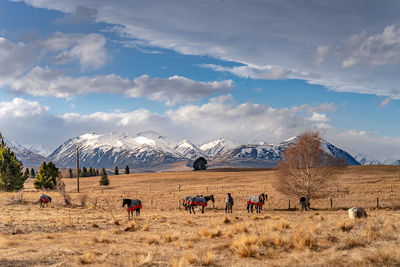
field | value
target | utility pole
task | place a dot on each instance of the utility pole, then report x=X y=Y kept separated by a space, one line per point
x=77 y=168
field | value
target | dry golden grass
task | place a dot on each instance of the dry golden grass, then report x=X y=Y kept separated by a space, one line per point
x=95 y=230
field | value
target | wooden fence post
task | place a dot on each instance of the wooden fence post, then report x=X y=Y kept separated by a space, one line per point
x=151 y=202
x=179 y=204
x=377 y=203
x=331 y=204
x=289 y=204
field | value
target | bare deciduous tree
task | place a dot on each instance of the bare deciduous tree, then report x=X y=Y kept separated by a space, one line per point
x=306 y=170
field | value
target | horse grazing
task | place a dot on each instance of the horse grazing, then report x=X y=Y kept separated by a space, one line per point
x=304 y=204
x=132 y=205
x=257 y=201
x=44 y=200
x=199 y=201
x=228 y=203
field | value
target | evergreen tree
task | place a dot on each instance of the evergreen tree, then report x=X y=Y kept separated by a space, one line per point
x=70 y=173
x=104 y=178
x=46 y=176
x=84 y=172
x=90 y=171
x=127 y=169
x=116 y=172
x=26 y=173
x=32 y=173
x=11 y=170
x=97 y=172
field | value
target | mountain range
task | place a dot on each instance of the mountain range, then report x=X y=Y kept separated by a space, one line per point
x=151 y=151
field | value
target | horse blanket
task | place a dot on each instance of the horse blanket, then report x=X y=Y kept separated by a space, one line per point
x=255 y=200
x=136 y=204
x=198 y=201
x=44 y=198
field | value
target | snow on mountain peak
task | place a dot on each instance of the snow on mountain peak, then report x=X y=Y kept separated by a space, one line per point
x=145 y=141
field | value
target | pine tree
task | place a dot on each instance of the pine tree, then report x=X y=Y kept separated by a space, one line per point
x=32 y=173
x=127 y=169
x=116 y=172
x=84 y=172
x=104 y=178
x=46 y=176
x=97 y=172
x=11 y=170
x=26 y=173
x=70 y=173
x=90 y=171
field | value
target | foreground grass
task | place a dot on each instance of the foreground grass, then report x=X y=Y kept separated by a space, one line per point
x=95 y=230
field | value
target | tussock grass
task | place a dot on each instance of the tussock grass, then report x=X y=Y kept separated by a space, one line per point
x=226 y=220
x=302 y=239
x=246 y=246
x=91 y=236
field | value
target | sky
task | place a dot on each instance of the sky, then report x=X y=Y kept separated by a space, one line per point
x=252 y=71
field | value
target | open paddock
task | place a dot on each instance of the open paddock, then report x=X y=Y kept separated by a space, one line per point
x=94 y=230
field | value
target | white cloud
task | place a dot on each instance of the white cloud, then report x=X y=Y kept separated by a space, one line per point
x=21 y=108
x=88 y=49
x=15 y=58
x=176 y=89
x=173 y=90
x=321 y=117
x=260 y=72
x=262 y=36
x=320 y=54
x=29 y=122
x=375 y=50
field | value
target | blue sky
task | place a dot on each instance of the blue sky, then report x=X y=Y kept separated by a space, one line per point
x=250 y=71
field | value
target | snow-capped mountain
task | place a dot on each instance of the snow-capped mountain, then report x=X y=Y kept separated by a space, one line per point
x=117 y=149
x=218 y=147
x=28 y=157
x=366 y=160
x=271 y=154
x=391 y=161
x=189 y=150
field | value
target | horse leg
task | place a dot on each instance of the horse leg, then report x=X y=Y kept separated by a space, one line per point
x=252 y=208
x=248 y=208
x=202 y=210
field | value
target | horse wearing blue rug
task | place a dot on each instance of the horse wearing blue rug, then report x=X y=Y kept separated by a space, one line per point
x=44 y=200
x=199 y=201
x=257 y=201
x=132 y=205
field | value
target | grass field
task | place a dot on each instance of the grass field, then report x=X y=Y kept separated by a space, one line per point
x=95 y=230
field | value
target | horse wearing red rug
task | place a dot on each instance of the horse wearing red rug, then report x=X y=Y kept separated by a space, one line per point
x=199 y=201
x=257 y=201
x=132 y=205
x=44 y=200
